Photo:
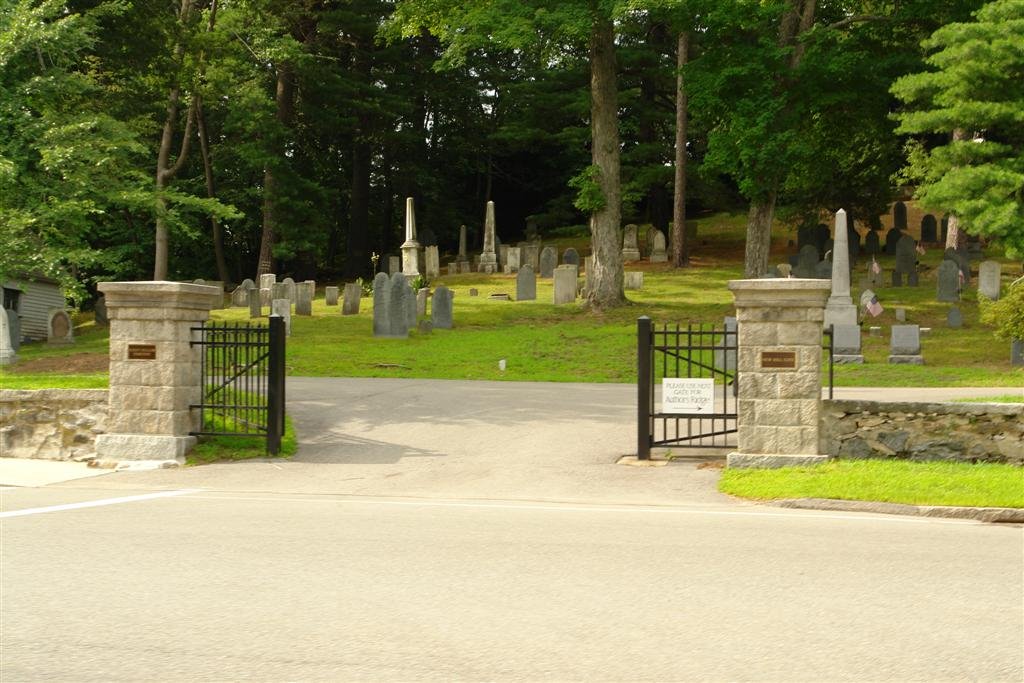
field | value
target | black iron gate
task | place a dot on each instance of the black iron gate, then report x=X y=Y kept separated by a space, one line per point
x=706 y=418
x=242 y=380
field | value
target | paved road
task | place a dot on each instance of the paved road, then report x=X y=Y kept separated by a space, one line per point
x=241 y=586
x=483 y=531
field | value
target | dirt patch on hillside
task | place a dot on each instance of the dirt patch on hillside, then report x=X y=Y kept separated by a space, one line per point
x=76 y=363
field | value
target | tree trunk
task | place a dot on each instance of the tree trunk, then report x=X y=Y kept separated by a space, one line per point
x=357 y=261
x=284 y=101
x=165 y=172
x=605 y=289
x=797 y=19
x=759 y=236
x=955 y=237
x=215 y=227
x=680 y=249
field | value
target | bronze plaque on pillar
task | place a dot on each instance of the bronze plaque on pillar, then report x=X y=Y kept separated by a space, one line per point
x=142 y=352
x=778 y=359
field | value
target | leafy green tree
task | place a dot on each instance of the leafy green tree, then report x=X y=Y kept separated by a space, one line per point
x=976 y=86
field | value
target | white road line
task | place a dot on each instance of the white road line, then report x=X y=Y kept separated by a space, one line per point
x=806 y=514
x=97 y=503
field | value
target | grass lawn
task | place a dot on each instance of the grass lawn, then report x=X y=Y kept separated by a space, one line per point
x=543 y=342
x=221 y=448
x=890 y=481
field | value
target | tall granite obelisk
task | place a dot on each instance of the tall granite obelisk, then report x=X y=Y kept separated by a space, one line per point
x=410 y=248
x=489 y=259
x=840 y=309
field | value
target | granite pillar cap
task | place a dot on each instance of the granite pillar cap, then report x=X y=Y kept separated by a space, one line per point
x=159 y=294
x=781 y=292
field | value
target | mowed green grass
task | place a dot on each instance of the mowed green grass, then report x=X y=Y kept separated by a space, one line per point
x=543 y=342
x=889 y=481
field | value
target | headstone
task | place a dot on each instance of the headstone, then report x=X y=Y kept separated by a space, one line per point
x=502 y=253
x=846 y=344
x=351 y=295
x=265 y=297
x=218 y=302
x=394 y=265
x=989 y=273
x=512 y=264
x=948 y=281
x=929 y=229
x=725 y=361
x=658 y=251
x=280 y=290
x=852 y=244
x=498 y=296
x=548 y=261
x=289 y=289
x=409 y=303
x=526 y=284
x=381 y=301
x=892 y=238
x=571 y=257
x=871 y=247
x=974 y=248
x=906 y=262
x=565 y=283
x=954 y=319
x=630 y=250
x=905 y=345
x=899 y=216
x=100 y=309
x=823 y=270
x=453 y=269
x=421 y=301
x=266 y=280
x=441 y=308
x=784 y=269
x=530 y=255
x=433 y=262
x=8 y=352
x=807 y=262
x=588 y=272
x=473 y=291
x=488 y=258
x=463 y=254
x=901 y=315
x=425 y=327
x=464 y=267
x=283 y=308
x=840 y=309
x=963 y=259
x=255 y=304
x=411 y=246
x=633 y=279
x=875 y=331
x=331 y=296
x=304 y=298
x=649 y=240
x=240 y=295
x=58 y=327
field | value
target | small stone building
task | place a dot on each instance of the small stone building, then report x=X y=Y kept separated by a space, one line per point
x=32 y=298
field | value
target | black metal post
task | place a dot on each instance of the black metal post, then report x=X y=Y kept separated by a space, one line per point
x=643 y=388
x=275 y=385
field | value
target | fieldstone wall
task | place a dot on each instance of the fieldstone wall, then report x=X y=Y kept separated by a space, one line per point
x=967 y=432
x=52 y=424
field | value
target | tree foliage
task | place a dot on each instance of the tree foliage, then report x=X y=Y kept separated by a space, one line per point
x=976 y=84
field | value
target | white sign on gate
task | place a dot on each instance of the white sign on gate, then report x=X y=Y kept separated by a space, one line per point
x=687 y=395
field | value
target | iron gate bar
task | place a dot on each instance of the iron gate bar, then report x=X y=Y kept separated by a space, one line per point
x=242 y=380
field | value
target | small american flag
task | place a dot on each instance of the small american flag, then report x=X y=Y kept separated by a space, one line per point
x=960 y=277
x=874 y=308
x=919 y=249
x=875 y=268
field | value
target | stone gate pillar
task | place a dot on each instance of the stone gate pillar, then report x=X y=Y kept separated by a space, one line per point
x=154 y=370
x=779 y=371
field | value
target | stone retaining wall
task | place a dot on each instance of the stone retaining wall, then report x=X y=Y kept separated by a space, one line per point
x=966 y=432
x=52 y=424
